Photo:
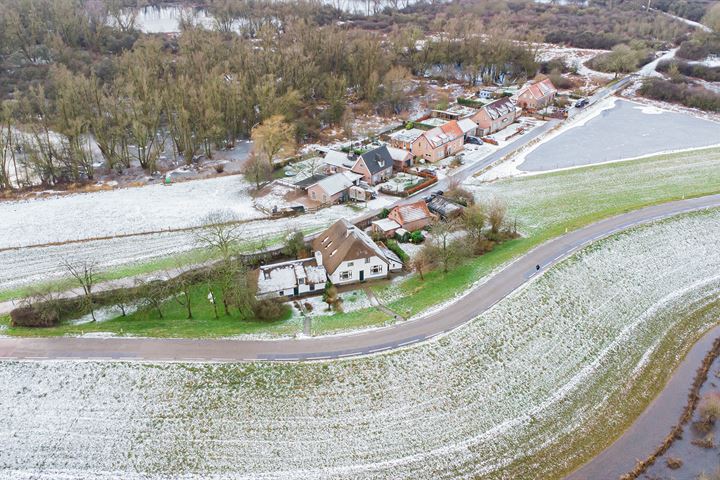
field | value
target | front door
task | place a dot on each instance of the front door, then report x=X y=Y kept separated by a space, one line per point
x=362 y=275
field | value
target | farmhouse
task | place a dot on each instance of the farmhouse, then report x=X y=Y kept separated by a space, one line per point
x=439 y=142
x=412 y=216
x=333 y=189
x=349 y=255
x=495 y=116
x=402 y=159
x=375 y=166
x=290 y=279
x=537 y=95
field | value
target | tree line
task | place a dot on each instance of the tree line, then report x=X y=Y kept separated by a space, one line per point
x=109 y=91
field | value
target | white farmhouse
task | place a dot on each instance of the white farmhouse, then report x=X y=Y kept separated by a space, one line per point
x=290 y=279
x=349 y=255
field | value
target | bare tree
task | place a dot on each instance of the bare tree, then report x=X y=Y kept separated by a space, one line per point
x=474 y=219
x=420 y=263
x=496 y=211
x=442 y=247
x=185 y=285
x=85 y=274
x=154 y=294
x=257 y=171
x=220 y=231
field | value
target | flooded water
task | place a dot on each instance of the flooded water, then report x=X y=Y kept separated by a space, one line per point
x=656 y=422
x=696 y=459
x=624 y=131
x=167 y=18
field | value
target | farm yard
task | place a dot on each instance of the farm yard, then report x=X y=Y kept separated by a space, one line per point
x=480 y=402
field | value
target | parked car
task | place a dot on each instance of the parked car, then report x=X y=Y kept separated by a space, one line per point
x=429 y=198
x=581 y=103
x=439 y=193
x=473 y=140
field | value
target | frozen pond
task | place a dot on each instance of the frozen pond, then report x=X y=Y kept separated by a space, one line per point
x=624 y=131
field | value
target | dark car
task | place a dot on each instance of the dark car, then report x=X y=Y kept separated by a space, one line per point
x=581 y=103
x=439 y=193
x=473 y=141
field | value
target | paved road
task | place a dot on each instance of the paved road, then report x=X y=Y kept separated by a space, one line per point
x=462 y=311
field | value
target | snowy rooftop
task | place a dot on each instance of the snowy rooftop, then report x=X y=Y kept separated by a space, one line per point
x=386 y=225
x=435 y=122
x=339 y=159
x=398 y=153
x=287 y=275
x=467 y=125
x=337 y=183
x=412 y=211
x=407 y=135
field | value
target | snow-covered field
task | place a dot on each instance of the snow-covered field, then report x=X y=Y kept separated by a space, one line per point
x=131 y=211
x=127 y=210
x=507 y=396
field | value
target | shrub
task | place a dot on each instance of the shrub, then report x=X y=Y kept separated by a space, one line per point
x=710 y=74
x=269 y=310
x=460 y=195
x=709 y=408
x=30 y=317
x=708 y=441
x=394 y=247
x=417 y=237
x=693 y=97
x=674 y=463
x=220 y=168
x=409 y=125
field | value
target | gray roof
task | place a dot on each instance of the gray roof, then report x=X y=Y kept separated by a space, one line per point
x=310 y=181
x=378 y=159
x=443 y=206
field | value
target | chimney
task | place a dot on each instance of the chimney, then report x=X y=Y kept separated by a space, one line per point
x=318 y=257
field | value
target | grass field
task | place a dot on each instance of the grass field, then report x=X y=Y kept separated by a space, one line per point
x=530 y=389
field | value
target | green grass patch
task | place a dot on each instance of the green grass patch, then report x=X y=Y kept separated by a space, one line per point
x=147 y=322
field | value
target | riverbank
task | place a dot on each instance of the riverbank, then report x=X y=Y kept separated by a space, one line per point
x=653 y=425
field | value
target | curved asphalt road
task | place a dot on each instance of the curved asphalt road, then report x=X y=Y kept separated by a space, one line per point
x=462 y=311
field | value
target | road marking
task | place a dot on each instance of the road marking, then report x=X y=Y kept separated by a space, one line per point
x=407 y=342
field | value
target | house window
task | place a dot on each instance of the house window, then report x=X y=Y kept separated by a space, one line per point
x=367 y=260
x=346 y=275
x=301 y=281
x=350 y=264
x=312 y=287
x=376 y=269
x=312 y=194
